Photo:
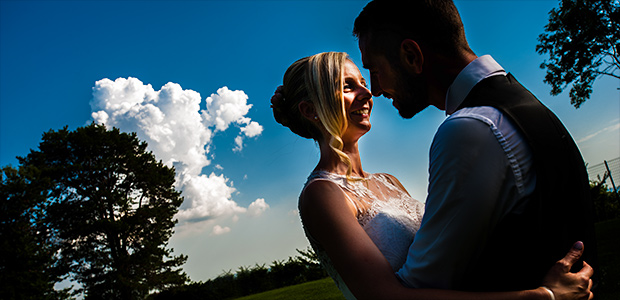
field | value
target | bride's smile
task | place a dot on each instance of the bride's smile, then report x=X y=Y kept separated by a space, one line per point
x=357 y=101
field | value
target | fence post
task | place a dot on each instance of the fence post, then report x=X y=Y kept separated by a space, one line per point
x=613 y=185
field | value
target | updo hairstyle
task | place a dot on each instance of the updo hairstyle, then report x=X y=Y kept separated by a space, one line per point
x=317 y=79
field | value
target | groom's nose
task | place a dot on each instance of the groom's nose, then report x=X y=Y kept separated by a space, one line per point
x=375 y=87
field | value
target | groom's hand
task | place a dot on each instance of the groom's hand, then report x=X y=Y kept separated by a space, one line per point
x=567 y=285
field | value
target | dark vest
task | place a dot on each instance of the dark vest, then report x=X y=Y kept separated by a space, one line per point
x=524 y=246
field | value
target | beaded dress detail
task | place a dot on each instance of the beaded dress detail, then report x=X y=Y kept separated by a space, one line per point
x=388 y=214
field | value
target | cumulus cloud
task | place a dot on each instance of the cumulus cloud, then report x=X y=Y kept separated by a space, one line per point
x=257 y=207
x=252 y=129
x=226 y=107
x=218 y=230
x=238 y=144
x=230 y=107
x=179 y=133
x=168 y=119
x=210 y=196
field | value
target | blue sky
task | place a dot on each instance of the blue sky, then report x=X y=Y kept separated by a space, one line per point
x=242 y=172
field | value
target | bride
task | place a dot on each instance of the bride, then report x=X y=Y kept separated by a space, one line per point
x=362 y=224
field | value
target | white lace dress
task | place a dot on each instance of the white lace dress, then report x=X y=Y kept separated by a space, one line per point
x=390 y=218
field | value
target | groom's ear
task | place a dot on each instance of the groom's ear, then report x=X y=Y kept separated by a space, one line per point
x=411 y=55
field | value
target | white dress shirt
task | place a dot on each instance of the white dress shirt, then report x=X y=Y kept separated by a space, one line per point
x=480 y=168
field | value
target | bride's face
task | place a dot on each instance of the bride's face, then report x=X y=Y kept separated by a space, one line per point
x=357 y=102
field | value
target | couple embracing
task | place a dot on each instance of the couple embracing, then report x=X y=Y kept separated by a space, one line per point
x=508 y=192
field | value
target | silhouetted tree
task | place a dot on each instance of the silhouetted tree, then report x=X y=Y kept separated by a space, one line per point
x=110 y=207
x=253 y=280
x=606 y=201
x=28 y=262
x=249 y=280
x=583 y=42
x=313 y=269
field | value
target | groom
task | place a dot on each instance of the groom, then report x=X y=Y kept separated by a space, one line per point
x=506 y=179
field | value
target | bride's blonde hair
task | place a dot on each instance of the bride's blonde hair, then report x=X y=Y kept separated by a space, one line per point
x=317 y=79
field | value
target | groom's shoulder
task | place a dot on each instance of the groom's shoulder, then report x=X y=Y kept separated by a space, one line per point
x=473 y=127
x=486 y=114
x=470 y=120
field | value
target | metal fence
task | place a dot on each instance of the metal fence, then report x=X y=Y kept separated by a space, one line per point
x=608 y=171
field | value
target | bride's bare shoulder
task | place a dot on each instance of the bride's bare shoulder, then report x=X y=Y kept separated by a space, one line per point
x=320 y=193
x=323 y=198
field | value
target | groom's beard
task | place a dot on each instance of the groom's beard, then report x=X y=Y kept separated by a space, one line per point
x=413 y=95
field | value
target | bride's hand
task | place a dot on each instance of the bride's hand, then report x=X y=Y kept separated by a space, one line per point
x=566 y=285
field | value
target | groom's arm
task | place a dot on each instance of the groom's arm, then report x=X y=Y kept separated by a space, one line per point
x=467 y=169
x=328 y=218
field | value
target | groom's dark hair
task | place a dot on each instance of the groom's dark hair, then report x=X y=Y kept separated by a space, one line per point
x=435 y=24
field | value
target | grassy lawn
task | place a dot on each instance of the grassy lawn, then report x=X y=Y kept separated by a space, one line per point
x=609 y=261
x=314 y=290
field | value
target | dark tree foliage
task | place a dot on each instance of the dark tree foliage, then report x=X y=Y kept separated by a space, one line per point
x=28 y=268
x=251 y=280
x=583 y=42
x=110 y=208
x=606 y=201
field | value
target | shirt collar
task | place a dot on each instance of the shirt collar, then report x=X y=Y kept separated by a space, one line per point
x=480 y=68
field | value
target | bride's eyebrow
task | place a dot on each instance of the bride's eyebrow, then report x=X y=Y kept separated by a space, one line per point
x=355 y=78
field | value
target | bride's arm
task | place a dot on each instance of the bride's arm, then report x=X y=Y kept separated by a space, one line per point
x=330 y=219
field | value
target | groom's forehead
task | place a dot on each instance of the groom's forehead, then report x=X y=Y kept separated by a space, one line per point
x=371 y=56
x=363 y=45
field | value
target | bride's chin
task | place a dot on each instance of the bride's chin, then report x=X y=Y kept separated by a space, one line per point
x=366 y=127
x=353 y=137
x=363 y=132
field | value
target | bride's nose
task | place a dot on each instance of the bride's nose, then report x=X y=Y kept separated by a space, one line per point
x=364 y=94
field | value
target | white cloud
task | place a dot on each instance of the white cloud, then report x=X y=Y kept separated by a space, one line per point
x=252 y=129
x=610 y=128
x=226 y=107
x=180 y=134
x=219 y=230
x=168 y=119
x=257 y=207
x=238 y=143
x=211 y=196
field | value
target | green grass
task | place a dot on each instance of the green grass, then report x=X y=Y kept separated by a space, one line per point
x=323 y=289
x=609 y=263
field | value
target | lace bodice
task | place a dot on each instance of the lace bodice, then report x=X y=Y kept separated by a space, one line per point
x=385 y=211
